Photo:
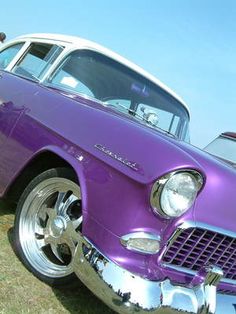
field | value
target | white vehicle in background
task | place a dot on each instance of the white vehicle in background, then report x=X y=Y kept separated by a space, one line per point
x=224 y=147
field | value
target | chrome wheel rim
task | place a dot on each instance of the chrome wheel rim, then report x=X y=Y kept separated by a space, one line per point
x=49 y=226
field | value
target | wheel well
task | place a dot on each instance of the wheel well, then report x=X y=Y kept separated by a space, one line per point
x=37 y=165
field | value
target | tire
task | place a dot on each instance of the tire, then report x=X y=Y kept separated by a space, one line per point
x=47 y=225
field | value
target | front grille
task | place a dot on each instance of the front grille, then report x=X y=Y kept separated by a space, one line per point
x=194 y=248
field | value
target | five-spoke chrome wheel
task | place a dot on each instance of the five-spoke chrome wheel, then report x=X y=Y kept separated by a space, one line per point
x=48 y=225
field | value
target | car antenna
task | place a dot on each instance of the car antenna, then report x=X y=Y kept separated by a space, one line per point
x=2 y=37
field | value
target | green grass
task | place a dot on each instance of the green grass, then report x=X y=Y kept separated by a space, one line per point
x=21 y=292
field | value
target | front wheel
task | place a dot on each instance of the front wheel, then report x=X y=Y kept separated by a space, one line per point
x=47 y=225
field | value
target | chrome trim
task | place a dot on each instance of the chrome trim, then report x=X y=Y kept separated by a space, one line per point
x=125 y=292
x=193 y=273
x=71 y=93
x=19 y=54
x=139 y=235
x=191 y=224
x=55 y=66
x=159 y=185
x=52 y=226
x=216 y=229
x=126 y=162
x=75 y=43
x=211 y=277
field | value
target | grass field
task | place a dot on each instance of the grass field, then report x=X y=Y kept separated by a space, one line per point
x=21 y=292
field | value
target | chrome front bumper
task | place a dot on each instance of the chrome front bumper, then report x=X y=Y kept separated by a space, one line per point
x=125 y=292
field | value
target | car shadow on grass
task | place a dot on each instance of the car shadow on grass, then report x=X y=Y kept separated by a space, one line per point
x=78 y=299
x=74 y=299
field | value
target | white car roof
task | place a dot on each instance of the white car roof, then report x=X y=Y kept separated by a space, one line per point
x=78 y=42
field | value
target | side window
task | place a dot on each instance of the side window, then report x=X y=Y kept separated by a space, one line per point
x=38 y=58
x=70 y=75
x=7 y=55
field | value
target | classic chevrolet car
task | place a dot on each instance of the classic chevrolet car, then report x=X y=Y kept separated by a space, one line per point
x=95 y=153
x=224 y=147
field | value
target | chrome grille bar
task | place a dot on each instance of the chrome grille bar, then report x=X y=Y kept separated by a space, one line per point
x=195 y=247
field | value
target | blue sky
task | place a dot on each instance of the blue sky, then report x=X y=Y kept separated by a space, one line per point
x=188 y=44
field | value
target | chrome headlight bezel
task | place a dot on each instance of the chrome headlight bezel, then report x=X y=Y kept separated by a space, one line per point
x=159 y=185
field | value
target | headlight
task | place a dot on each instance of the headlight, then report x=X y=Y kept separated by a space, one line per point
x=175 y=193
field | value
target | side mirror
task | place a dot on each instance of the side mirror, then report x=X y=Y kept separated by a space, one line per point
x=2 y=37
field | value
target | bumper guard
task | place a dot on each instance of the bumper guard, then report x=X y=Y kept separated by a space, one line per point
x=125 y=292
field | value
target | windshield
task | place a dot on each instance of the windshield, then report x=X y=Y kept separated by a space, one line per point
x=223 y=147
x=115 y=85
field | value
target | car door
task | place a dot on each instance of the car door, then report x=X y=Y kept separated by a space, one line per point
x=19 y=90
x=8 y=94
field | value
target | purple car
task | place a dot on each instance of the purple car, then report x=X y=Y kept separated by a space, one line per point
x=95 y=153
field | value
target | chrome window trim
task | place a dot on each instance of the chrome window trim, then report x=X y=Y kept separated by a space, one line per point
x=19 y=54
x=45 y=79
x=77 y=43
x=71 y=44
x=73 y=94
x=192 y=224
x=22 y=56
x=70 y=48
x=23 y=50
x=58 y=62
